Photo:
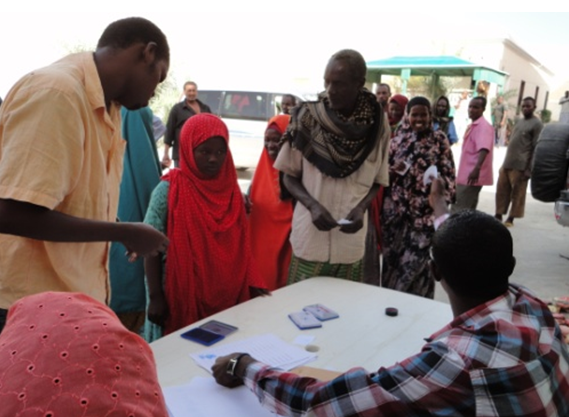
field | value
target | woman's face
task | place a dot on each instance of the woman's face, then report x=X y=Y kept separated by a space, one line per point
x=442 y=107
x=210 y=156
x=272 y=139
x=419 y=117
x=395 y=111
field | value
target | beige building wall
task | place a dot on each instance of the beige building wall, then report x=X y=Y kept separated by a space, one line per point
x=527 y=73
x=507 y=56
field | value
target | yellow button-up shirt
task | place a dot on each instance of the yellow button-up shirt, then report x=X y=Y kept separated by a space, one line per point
x=61 y=149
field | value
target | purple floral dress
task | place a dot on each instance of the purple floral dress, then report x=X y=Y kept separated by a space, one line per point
x=407 y=218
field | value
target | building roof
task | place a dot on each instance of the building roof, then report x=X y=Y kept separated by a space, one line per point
x=428 y=65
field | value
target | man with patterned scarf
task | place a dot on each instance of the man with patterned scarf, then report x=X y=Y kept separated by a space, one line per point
x=334 y=158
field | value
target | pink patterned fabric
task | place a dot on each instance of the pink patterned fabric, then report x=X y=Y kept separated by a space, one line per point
x=67 y=355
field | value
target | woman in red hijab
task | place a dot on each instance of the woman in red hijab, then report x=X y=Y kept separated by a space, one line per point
x=270 y=219
x=396 y=110
x=65 y=354
x=208 y=266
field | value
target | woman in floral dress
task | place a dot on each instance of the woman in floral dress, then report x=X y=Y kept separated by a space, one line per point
x=407 y=218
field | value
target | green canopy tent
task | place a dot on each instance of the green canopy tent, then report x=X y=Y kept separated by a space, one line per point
x=434 y=66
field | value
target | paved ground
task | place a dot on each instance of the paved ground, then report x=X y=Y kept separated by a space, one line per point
x=541 y=246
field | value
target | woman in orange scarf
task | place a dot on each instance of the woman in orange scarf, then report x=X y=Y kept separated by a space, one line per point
x=209 y=266
x=270 y=219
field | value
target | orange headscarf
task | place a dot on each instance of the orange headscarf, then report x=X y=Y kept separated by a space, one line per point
x=271 y=218
x=209 y=266
x=65 y=354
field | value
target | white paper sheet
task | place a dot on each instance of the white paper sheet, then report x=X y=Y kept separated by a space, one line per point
x=266 y=348
x=203 y=397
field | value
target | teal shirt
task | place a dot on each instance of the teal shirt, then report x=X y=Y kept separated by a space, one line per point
x=141 y=174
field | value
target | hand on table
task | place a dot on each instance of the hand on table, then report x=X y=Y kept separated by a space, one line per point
x=219 y=370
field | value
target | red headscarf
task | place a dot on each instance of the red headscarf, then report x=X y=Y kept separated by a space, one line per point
x=208 y=264
x=279 y=123
x=402 y=101
x=271 y=218
x=65 y=354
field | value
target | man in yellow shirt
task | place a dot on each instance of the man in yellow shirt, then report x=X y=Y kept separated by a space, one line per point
x=61 y=156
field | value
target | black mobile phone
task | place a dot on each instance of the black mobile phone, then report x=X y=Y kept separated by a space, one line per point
x=202 y=336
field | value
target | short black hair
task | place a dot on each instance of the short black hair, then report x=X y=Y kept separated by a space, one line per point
x=418 y=101
x=528 y=98
x=126 y=32
x=385 y=85
x=482 y=99
x=474 y=254
x=293 y=98
x=355 y=61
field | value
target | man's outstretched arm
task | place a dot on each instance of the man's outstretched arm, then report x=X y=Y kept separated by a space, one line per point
x=40 y=223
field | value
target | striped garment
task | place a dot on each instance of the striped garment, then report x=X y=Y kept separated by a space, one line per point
x=502 y=358
x=301 y=269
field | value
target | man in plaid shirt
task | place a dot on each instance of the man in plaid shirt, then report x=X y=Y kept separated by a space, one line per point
x=502 y=355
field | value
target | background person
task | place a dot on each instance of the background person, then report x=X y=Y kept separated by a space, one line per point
x=395 y=111
x=442 y=121
x=516 y=168
x=475 y=169
x=499 y=119
x=66 y=354
x=287 y=103
x=209 y=266
x=460 y=114
x=383 y=94
x=407 y=218
x=141 y=174
x=178 y=115
x=61 y=158
x=372 y=269
x=334 y=157
x=502 y=355
x=270 y=219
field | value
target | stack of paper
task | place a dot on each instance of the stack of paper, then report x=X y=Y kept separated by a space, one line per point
x=266 y=348
x=203 y=397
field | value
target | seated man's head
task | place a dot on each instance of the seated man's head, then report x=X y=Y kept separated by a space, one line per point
x=132 y=58
x=473 y=256
x=344 y=78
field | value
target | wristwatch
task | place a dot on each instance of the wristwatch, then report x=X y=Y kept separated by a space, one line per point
x=232 y=364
